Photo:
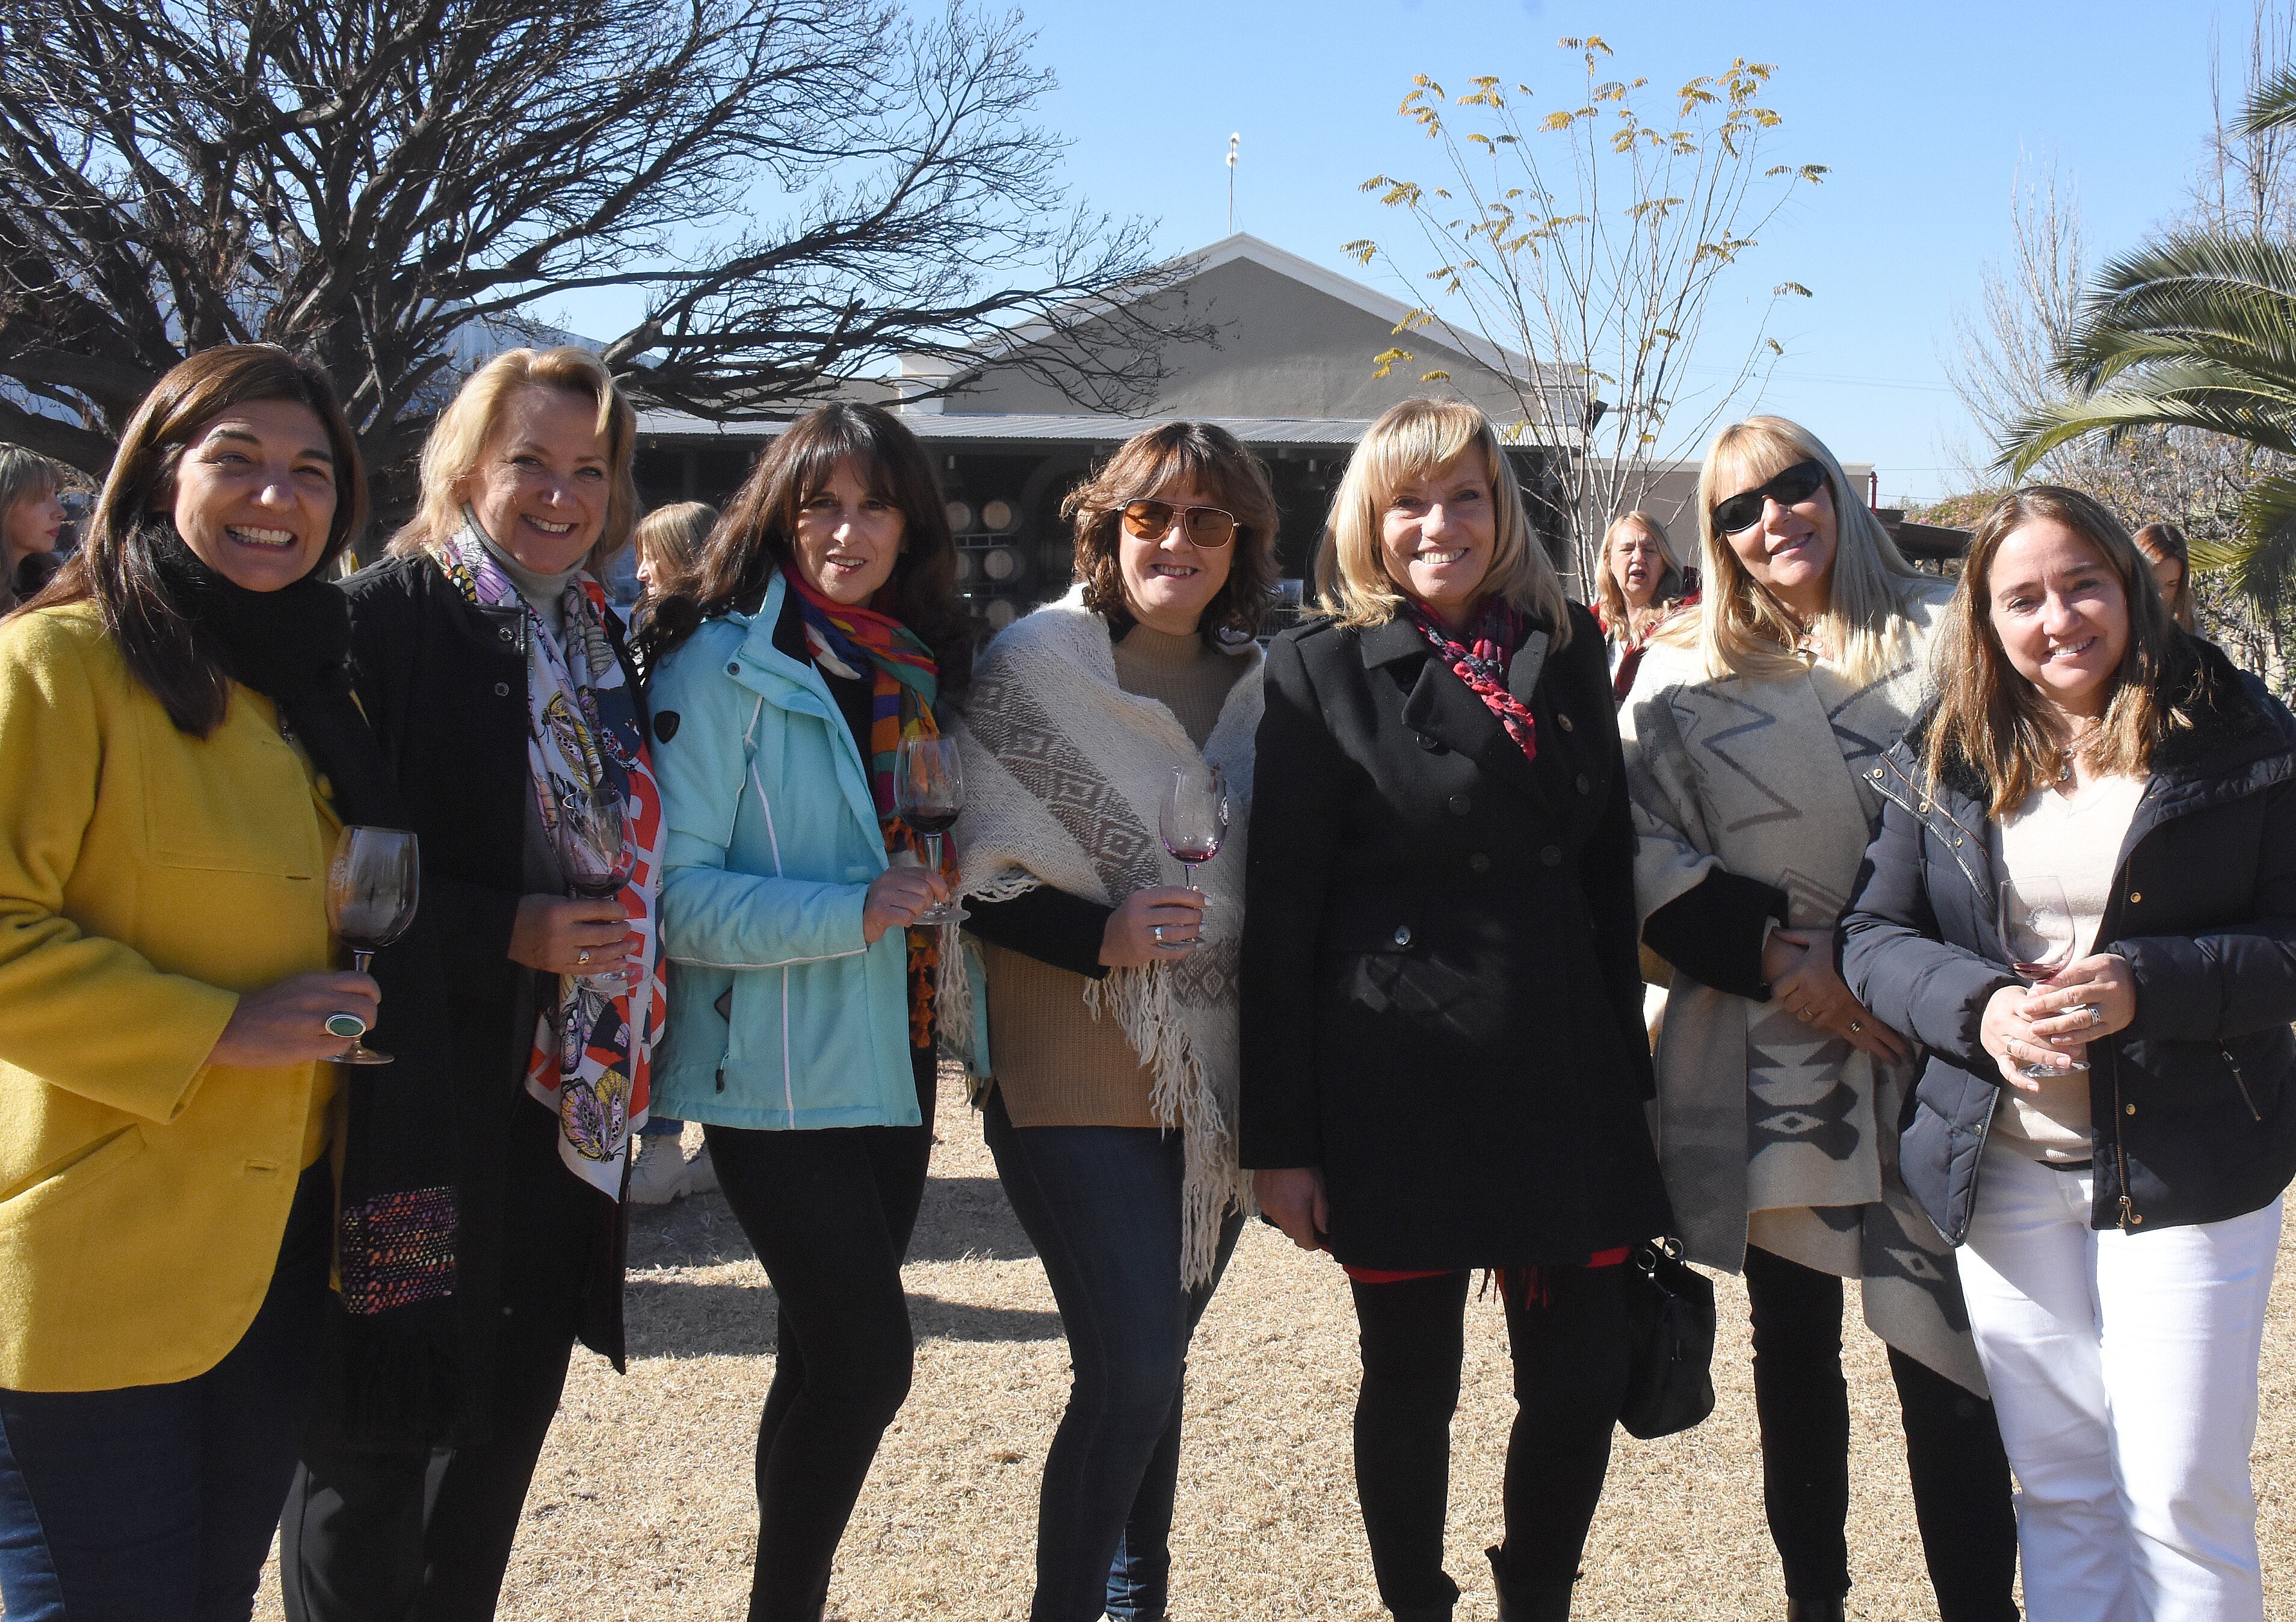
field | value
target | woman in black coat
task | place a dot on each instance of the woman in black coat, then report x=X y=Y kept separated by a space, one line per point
x=2118 y=1223
x=467 y=641
x=1444 y=1058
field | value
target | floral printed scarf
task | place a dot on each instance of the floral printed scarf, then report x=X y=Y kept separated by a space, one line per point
x=593 y=1052
x=1481 y=662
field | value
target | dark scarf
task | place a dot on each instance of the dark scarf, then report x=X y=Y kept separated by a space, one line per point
x=1481 y=662
x=392 y=1369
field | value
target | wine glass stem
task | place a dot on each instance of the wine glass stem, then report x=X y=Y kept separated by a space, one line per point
x=1190 y=869
x=932 y=852
x=360 y=958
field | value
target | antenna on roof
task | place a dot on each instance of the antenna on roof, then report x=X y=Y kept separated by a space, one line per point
x=1233 y=143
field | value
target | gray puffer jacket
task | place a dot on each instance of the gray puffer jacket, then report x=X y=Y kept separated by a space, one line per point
x=2193 y=1106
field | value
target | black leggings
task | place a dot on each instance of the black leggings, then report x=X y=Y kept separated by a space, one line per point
x=1953 y=1452
x=1569 y=1360
x=829 y=1214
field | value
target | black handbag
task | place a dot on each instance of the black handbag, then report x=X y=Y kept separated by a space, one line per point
x=1671 y=1330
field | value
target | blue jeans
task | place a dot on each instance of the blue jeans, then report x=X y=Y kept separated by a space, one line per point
x=156 y=1503
x=1101 y=1205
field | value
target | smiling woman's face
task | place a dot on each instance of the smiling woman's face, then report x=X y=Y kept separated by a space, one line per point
x=1790 y=549
x=254 y=493
x=542 y=486
x=848 y=537
x=2061 y=612
x=1437 y=536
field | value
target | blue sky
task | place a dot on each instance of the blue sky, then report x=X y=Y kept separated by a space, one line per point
x=1920 y=110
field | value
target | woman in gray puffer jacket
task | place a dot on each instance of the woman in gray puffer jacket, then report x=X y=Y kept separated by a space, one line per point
x=2108 y=1145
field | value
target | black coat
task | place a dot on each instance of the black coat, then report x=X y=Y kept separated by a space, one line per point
x=1441 y=1002
x=2192 y=1110
x=443 y=682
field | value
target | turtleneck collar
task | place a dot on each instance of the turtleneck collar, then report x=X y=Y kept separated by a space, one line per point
x=545 y=593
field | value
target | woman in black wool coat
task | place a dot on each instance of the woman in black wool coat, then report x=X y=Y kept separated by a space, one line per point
x=1443 y=1057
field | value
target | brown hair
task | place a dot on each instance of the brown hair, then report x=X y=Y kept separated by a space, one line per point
x=671 y=539
x=755 y=538
x=1216 y=464
x=1990 y=717
x=114 y=567
x=2167 y=541
x=459 y=438
x=1611 y=597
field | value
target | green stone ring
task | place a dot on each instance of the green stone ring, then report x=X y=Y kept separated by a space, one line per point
x=349 y=1027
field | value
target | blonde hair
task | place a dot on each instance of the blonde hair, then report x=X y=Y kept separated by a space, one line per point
x=671 y=539
x=1609 y=595
x=1744 y=630
x=460 y=436
x=1411 y=441
x=1990 y=716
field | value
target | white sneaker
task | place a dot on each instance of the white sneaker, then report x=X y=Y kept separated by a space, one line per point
x=661 y=1175
x=700 y=1176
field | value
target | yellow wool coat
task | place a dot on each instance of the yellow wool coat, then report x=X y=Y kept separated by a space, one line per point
x=147 y=878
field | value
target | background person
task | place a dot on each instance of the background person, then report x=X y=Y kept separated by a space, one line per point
x=1444 y=1063
x=1752 y=736
x=822 y=621
x=2171 y=559
x=31 y=522
x=2119 y=1224
x=668 y=542
x=494 y=674
x=1642 y=585
x=1111 y=994
x=177 y=750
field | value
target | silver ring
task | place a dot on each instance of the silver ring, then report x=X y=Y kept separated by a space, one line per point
x=1856 y=1026
x=584 y=958
x=349 y=1027
x=2095 y=1015
x=1157 y=932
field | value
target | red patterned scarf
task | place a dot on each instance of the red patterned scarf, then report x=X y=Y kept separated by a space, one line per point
x=1481 y=662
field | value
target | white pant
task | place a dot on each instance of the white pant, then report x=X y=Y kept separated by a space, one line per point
x=2123 y=1367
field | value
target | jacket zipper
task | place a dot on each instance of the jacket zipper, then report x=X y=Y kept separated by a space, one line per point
x=2130 y=1216
x=2240 y=1080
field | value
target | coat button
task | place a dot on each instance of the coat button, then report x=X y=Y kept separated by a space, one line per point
x=1460 y=805
x=1479 y=862
x=1585 y=785
x=1433 y=745
x=2135 y=897
x=1552 y=855
x=502 y=690
x=1565 y=722
x=2129 y=1109
x=507 y=635
x=2136 y=1219
x=1877 y=773
x=1402 y=934
x=733 y=669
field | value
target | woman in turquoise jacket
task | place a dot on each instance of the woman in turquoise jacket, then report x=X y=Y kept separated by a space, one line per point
x=822 y=623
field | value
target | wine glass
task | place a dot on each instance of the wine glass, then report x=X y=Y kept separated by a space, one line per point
x=1193 y=820
x=595 y=857
x=928 y=791
x=374 y=882
x=2036 y=931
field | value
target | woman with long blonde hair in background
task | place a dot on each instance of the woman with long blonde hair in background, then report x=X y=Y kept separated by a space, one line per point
x=1642 y=585
x=1754 y=730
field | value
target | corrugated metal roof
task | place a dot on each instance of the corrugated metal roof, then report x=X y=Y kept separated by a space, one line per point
x=988 y=426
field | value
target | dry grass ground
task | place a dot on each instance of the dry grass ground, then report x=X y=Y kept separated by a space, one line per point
x=642 y=1508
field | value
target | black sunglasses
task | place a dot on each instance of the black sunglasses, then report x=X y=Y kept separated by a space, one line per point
x=1743 y=510
x=1206 y=527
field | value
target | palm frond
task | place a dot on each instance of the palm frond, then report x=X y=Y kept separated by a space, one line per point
x=2271 y=105
x=2262 y=557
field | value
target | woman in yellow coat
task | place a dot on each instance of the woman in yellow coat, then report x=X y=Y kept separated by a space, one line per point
x=177 y=739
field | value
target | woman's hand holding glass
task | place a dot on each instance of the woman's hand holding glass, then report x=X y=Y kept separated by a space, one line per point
x=557 y=935
x=2052 y=1023
x=286 y=1024
x=1152 y=926
x=899 y=897
x=1798 y=965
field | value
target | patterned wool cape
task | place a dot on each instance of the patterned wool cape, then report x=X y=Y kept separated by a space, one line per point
x=1770 y=1132
x=1065 y=774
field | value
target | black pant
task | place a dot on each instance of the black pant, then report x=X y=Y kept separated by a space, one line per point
x=1570 y=1356
x=426 y=1536
x=828 y=1213
x=1953 y=1451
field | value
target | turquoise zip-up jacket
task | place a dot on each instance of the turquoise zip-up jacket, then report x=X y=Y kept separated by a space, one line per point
x=774 y=840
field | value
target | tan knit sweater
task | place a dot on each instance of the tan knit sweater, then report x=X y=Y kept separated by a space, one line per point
x=1055 y=1064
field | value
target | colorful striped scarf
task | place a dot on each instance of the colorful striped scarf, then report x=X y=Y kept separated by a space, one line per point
x=1481 y=662
x=905 y=684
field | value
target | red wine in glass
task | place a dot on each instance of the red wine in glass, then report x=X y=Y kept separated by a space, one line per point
x=1194 y=820
x=928 y=791
x=373 y=885
x=2037 y=930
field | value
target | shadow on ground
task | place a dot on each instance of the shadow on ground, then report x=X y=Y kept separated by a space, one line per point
x=679 y=1318
x=962 y=1219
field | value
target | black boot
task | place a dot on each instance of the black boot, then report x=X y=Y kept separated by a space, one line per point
x=1815 y=1611
x=1529 y=1602
x=1424 y=1613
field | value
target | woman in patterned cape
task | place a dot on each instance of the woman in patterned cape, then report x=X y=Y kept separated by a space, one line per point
x=1749 y=734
